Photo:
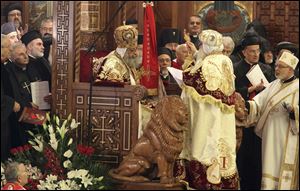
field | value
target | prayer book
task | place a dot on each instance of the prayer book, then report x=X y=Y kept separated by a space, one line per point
x=39 y=90
x=177 y=75
x=255 y=75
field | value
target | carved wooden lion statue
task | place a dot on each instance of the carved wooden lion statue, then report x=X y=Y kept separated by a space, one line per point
x=159 y=146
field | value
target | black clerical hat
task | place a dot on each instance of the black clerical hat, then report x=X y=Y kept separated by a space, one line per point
x=289 y=46
x=164 y=50
x=258 y=27
x=12 y=6
x=140 y=39
x=251 y=39
x=30 y=36
x=170 y=35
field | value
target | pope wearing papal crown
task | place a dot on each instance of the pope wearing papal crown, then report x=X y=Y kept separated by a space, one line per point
x=117 y=65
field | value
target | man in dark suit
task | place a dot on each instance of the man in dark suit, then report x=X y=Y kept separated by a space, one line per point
x=46 y=31
x=8 y=104
x=16 y=78
x=249 y=154
x=195 y=28
x=35 y=50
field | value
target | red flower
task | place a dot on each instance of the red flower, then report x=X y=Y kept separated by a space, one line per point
x=81 y=149
x=32 y=184
x=13 y=151
x=85 y=150
x=27 y=147
x=20 y=149
x=53 y=165
x=90 y=151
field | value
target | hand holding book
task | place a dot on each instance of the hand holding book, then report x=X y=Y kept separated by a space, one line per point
x=256 y=76
x=33 y=116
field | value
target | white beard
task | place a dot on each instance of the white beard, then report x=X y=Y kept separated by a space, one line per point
x=37 y=54
x=132 y=62
x=269 y=61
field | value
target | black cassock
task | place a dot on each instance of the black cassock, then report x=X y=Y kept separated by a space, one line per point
x=241 y=81
x=249 y=154
x=7 y=104
x=16 y=85
x=42 y=66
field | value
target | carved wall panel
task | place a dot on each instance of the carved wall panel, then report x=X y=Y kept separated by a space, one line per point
x=94 y=19
x=281 y=19
x=77 y=41
x=88 y=38
x=114 y=119
x=62 y=68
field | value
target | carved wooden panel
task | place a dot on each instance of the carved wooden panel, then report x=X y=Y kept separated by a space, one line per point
x=62 y=68
x=88 y=37
x=77 y=41
x=281 y=19
x=114 y=119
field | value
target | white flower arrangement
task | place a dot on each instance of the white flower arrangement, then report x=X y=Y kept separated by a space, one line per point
x=61 y=160
x=33 y=172
x=77 y=180
x=3 y=179
x=68 y=154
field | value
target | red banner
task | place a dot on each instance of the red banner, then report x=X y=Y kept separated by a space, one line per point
x=150 y=70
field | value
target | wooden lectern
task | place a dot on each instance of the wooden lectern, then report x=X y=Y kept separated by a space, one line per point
x=115 y=119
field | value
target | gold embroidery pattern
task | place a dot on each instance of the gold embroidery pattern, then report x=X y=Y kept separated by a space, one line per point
x=225 y=159
x=218 y=74
x=226 y=163
x=208 y=99
x=112 y=68
x=199 y=82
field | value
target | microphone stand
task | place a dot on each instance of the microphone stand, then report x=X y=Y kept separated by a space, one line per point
x=92 y=47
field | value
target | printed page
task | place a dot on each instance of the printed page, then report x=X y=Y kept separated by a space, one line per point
x=39 y=90
x=255 y=75
x=177 y=75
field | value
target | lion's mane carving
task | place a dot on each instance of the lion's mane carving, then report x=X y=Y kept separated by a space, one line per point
x=160 y=144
